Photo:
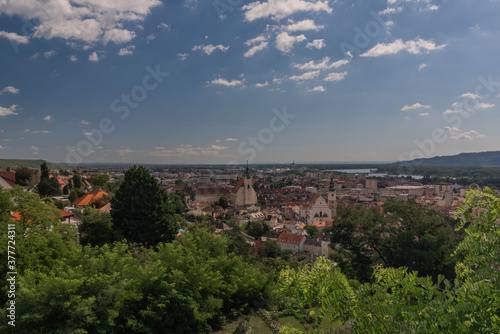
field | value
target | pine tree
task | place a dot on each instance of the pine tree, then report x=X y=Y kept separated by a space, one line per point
x=142 y=211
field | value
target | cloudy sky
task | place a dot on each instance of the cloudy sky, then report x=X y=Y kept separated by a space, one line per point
x=225 y=81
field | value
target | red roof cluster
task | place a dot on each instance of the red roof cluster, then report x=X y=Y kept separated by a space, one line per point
x=9 y=177
x=290 y=238
x=90 y=198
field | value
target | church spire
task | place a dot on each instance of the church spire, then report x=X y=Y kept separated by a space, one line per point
x=247 y=172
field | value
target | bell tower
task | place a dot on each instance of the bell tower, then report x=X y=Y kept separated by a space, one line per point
x=332 y=198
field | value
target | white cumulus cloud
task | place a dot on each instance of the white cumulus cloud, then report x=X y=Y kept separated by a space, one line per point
x=256 y=44
x=321 y=65
x=415 y=106
x=459 y=134
x=182 y=56
x=422 y=66
x=8 y=111
x=49 y=54
x=259 y=85
x=96 y=56
x=317 y=89
x=10 y=89
x=413 y=47
x=335 y=76
x=209 y=49
x=13 y=37
x=285 y=42
x=81 y=21
x=316 y=44
x=279 y=9
x=227 y=83
x=306 y=76
x=304 y=25
x=126 y=51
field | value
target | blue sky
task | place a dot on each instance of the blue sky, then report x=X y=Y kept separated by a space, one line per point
x=227 y=81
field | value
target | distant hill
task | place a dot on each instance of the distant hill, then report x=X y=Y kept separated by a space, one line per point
x=34 y=164
x=486 y=159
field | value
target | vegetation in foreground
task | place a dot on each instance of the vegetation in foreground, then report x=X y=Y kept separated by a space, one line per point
x=198 y=282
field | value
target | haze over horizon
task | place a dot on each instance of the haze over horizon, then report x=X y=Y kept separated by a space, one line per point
x=197 y=82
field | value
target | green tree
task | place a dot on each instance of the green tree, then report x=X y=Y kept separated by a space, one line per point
x=423 y=240
x=223 y=202
x=96 y=228
x=23 y=176
x=42 y=239
x=270 y=248
x=74 y=194
x=99 y=180
x=77 y=181
x=6 y=205
x=312 y=230
x=187 y=286
x=192 y=195
x=405 y=234
x=44 y=170
x=65 y=190
x=142 y=211
x=49 y=187
x=257 y=229
x=399 y=301
x=355 y=237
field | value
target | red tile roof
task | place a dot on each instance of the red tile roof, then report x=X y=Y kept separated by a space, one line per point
x=16 y=215
x=323 y=223
x=238 y=185
x=9 y=177
x=61 y=182
x=314 y=199
x=66 y=214
x=106 y=208
x=90 y=198
x=290 y=238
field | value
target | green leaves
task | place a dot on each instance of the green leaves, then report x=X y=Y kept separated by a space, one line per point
x=142 y=211
x=185 y=286
x=400 y=301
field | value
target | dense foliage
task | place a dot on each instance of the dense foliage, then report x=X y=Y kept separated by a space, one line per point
x=23 y=176
x=200 y=280
x=404 y=234
x=142 y=211
x=400 y=301
x=187 y=286
x=99 y=180
x=96 y=228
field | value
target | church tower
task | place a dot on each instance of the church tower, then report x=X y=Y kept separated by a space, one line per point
x=332 y=198
x=243 y=194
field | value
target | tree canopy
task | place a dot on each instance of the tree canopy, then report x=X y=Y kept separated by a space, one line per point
x=404 y=234
x=142 y=211
x=401 y=301
x=23 y=175
x=99 y=180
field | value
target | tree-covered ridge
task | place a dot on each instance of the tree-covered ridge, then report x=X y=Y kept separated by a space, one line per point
x=33 y=164
x=400 y=301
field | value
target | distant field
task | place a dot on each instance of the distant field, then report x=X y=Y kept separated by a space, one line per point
x=35 y=164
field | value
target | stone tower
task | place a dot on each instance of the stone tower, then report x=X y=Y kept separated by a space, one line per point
x=332 y=198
